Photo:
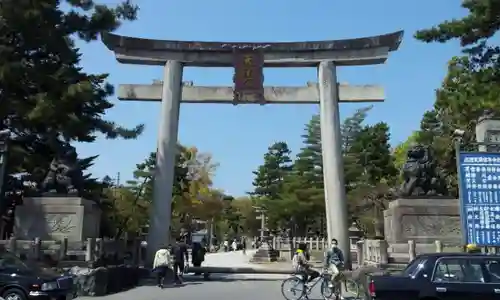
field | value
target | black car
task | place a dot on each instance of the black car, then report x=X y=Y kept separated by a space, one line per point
x=442 y=276
x=20 y=280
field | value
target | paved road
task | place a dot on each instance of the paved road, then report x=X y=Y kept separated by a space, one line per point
x=234 y=286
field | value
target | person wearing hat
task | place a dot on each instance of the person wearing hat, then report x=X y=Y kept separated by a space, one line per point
x=300 y=263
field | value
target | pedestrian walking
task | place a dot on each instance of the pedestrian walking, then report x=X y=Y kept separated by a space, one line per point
x=244 y=245
x=180 y=259
x=162 y=264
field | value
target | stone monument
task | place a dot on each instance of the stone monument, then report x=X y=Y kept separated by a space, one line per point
x=422 y=212
x=57 y=217
x=248 y=61
x=59 y=211
x=488 y=131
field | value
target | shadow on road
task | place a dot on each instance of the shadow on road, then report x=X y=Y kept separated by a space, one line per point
x=195 y=280
x=167 y=284
x=229 y=278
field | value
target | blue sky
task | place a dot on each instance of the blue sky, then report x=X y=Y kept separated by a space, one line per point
x=238 y=136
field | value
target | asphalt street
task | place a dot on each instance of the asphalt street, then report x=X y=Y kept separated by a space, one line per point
x=237 y=286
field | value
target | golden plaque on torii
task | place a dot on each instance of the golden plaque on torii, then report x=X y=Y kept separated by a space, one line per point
x=248 y=76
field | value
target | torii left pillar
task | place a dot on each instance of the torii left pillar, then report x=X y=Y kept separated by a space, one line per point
x=333 y=166
x=161 y=211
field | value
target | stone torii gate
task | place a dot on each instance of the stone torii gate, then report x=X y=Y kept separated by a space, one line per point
x=249 y=60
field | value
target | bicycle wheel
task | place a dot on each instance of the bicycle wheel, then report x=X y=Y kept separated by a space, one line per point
x=293 y=288
x=327 y=289
x=352 y=288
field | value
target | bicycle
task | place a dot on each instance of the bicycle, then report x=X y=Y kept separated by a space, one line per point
x=351 y=286
x=300 y=289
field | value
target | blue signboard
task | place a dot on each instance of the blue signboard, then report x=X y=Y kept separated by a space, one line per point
x=480 y=197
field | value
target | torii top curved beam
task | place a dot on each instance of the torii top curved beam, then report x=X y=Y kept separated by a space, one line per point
x=360 y=51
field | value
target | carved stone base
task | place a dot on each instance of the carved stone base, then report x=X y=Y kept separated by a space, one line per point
x=423 y=220
x=54 y=218
x=265 y=254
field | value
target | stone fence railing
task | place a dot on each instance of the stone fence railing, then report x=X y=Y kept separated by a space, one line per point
x=279 y=243
x=90 y=250
x=379 y=252
x=368 y=251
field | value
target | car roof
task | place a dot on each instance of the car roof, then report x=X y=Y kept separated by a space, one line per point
x=456 y=254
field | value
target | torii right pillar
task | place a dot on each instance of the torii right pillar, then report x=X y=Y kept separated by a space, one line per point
x=333 y=167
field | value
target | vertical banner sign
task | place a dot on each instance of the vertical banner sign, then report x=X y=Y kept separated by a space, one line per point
x=248 y=76
x=480 y=197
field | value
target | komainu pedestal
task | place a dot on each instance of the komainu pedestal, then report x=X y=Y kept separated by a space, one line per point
x=265 y=253
x=54 y=218
x=423 y=221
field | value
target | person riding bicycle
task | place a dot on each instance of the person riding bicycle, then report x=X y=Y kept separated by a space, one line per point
x=301 y=264
x=334 y=260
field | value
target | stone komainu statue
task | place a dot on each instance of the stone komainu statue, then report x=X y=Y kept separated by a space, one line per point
x=420 y=175
x=65 y=175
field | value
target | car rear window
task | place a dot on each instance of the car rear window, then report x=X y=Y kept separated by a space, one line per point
x=414 y=267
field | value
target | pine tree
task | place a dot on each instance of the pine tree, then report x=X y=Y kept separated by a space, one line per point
x=351 y=128
x=269 y=177
x=45 y=97
x=372 y=151
x=304 y=188
x=309 y=162
x=369 y=197
x=471 y=86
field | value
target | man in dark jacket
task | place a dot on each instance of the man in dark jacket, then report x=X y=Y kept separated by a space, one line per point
x=197 y=255
x=180 y=257
x=334 y=262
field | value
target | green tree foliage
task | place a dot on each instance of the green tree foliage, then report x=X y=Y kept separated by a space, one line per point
x=351 y=128
x=302 y=196
x=193 y=197
x=376 y=174
x=372 y=153
x=481 y=23
x=45 y=96
x=249 y=222
x=269 y=177
x=471 y=86
x=400 y=152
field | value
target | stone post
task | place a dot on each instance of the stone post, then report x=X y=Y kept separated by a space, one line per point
x=360 y=257
x=439 y=246
x=64 y=249
x=412 y=250
x=160 y=213
x=99 y=247
x=384 y=255
x=89 y=253
x=13 y=244
x=333 y=169
x=37 y=248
